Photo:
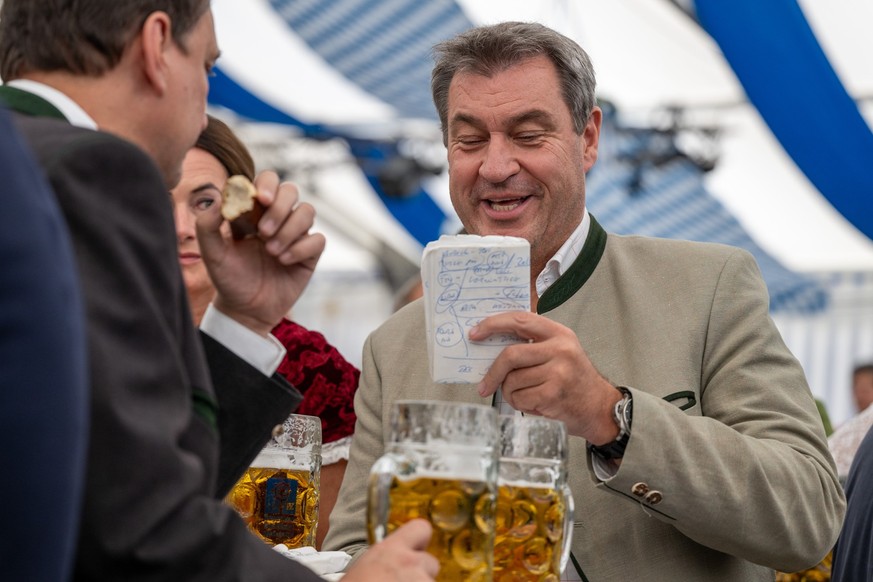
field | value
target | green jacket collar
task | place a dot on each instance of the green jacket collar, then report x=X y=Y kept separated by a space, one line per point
x=28 y=103
x=579 y=272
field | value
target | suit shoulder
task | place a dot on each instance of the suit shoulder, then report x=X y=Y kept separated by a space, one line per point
x=648 y=249
x=402 y=326
x=55 y=142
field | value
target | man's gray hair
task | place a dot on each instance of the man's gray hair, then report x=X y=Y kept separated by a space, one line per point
x=487 y=50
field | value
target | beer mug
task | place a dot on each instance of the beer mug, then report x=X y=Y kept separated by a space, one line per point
x=440 y=464
x=534 y=516
x=277 y=496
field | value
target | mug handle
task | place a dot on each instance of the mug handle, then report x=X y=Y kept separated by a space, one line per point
x=569 y=508
x=384 y=470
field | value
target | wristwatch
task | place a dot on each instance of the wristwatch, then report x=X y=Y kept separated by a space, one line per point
x=622 y=413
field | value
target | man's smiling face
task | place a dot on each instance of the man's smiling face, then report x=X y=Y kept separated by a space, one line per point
x=516 y=165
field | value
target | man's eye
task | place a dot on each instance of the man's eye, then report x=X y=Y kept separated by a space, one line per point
x=470 y=141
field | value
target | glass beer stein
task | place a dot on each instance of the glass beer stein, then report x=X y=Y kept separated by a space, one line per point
x=534 y=516
x=440 y=464
x=277 y=496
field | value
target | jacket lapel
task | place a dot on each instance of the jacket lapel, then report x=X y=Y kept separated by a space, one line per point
x=28 y=103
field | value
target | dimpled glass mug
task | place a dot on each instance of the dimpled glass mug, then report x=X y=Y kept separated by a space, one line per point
x=440 y=464
x=534 y=516
x=277 y=496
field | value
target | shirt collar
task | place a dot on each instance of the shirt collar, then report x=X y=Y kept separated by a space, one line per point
x=566 y=255
x=69 y=108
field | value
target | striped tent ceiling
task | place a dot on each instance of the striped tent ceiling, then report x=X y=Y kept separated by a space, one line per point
x=383 y=46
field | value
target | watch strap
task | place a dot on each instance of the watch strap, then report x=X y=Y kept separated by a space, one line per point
x=623 y=416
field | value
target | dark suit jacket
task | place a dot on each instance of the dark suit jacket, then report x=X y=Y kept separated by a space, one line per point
x=853 y=555
x=44 y=398
x=155 y=473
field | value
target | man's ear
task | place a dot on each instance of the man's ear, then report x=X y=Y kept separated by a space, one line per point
x=157 y=40
x=591 y=137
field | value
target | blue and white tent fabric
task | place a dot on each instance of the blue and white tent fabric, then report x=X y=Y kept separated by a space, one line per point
x=642 y=184
x=381 y=46
x=378 y=52
x=360 y=69
x=786 y=74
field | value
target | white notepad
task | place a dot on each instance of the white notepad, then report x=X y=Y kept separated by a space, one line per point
x=466 y=278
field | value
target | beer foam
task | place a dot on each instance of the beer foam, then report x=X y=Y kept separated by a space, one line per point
x=444 y=461
x=279 y=459
x=442 y=448
x=449 y=476
x=525 y=484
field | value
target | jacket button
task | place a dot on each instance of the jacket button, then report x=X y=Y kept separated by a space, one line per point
x=654 y=497
x=277 y=431
x=640 y=489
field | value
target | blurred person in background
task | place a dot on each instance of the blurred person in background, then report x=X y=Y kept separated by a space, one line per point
x=312 y=365
x=862 y=386
x=846 y=439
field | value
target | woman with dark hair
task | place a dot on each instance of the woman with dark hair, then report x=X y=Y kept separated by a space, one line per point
x=327 y=381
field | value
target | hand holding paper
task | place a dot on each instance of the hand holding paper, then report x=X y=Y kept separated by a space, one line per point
x=466 y=278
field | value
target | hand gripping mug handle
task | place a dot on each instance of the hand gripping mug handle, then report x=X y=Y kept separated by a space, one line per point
x=384 y=470
x=569 y=508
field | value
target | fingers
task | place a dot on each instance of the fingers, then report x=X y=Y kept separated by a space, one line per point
x=416 y=534
x=307 y=250
x=267 y=184
x=523 y=324
x=401 y=557
x=527 y=388
x=286 y=222
x=279 y=201
x=430 y=565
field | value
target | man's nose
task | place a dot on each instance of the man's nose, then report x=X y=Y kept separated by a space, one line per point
x=500 y=160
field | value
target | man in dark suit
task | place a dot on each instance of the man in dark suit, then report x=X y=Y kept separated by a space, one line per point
x=156 y=473
x=853 y=554
x=43 y=402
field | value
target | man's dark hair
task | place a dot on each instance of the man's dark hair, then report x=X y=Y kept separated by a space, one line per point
x=863 y=369
x=83 y=37
x=487 y=50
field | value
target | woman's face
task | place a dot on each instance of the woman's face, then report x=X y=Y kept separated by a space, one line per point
x=203 y=177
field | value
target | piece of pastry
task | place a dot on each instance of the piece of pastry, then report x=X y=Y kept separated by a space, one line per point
x=240 y=207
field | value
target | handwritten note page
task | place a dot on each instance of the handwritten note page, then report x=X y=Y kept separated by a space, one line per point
x=466 y=278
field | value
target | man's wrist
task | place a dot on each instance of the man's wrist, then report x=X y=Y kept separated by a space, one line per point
x=622 y=417
x=607 y=430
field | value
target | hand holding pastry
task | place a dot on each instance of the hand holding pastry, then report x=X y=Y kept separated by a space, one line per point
x=261 y=272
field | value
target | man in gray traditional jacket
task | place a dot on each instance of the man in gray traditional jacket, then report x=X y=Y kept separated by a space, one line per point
x=697 y=452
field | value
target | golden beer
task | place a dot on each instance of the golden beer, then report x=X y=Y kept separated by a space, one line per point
x=278 y=505
x=529 y=528
x=462 y=515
